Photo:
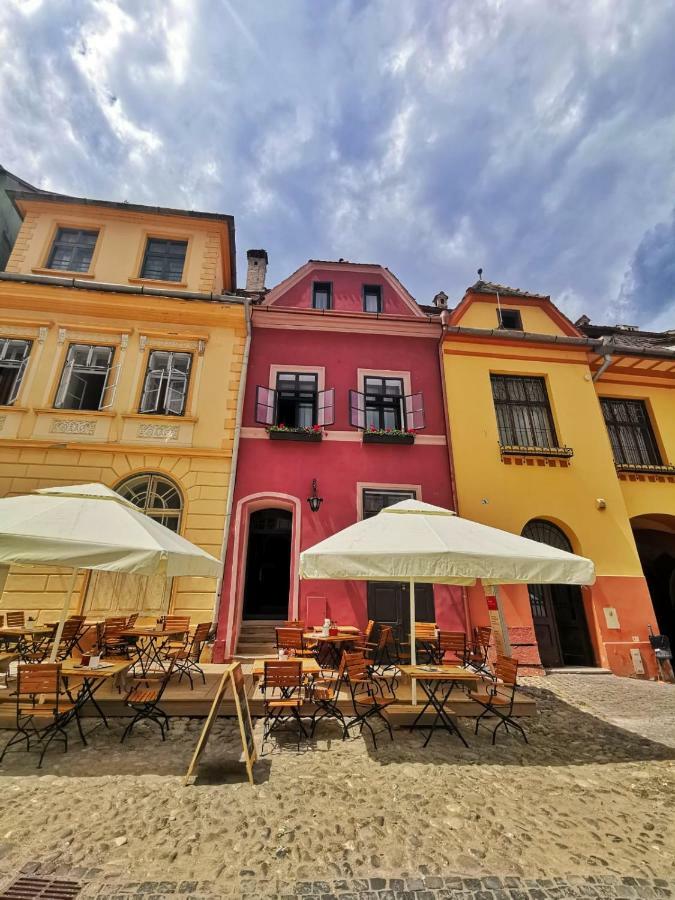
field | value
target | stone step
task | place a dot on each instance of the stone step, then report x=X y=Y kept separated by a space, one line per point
x=578 y=670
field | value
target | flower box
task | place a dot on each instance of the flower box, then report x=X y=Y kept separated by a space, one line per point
x=377 y=437
x=290 y=435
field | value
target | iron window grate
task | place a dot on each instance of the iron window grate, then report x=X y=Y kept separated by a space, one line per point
x=29 y=888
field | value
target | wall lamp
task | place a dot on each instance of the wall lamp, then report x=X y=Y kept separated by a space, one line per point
x=314 y=500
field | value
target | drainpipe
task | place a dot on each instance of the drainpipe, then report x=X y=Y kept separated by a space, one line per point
x=607 y=361
x=453 y=483
x=233 y=464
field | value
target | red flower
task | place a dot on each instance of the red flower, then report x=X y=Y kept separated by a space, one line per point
x=316 y=428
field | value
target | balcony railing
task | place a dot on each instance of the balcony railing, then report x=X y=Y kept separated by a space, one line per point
x=641 y=468
x=517 y=450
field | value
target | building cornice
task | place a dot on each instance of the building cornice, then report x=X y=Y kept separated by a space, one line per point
x=335 y=320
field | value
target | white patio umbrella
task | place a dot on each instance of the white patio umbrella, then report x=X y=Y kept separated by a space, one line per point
x=416 y=542
x=89 y=526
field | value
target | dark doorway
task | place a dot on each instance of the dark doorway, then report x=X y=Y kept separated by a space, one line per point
x=268 y=564
x=657 y=556
x=558 y=609
x=389 y=604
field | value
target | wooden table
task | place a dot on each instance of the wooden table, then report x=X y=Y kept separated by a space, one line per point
x=437 y=683
x=19 y=635
x=332 y=644
x=146 y=643
x=92 y=679
x=309 y=665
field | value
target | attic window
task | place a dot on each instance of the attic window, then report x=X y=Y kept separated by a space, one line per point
x=509 y=318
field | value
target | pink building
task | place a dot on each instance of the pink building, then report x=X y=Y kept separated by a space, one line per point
x=342 y=350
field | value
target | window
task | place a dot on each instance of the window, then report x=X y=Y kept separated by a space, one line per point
x=372 y=298
x=72 y=250
x=384 y=402
x=89 y=380
x=164 y=260
x=156 y=496
x=296 y=399
x=13 y=361
x=509 y=318
x=630 y=432
x=166 y=383
x=321 y=295
x=374 y=501
x=523 y=414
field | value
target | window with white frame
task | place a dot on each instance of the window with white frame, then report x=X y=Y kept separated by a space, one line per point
x=384 y=406
x=72 y=250
x=89 y=379
x=14 y=355
x=375 y=500
x=167 y=379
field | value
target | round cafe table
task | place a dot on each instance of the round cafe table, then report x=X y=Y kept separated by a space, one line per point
x=330 y=646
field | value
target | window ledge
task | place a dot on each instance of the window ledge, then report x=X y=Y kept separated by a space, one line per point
x=159 y=417
x=62 y=273
x=11 y=407
x=158 y=282
x=666 y=469
x=309 y=437
x=370 y=438
x=551 y=452
x=53 y=411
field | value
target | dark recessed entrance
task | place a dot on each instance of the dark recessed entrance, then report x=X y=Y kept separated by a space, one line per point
x=389 y=604
x=558 y=609
x=268 y=564
x=657 y=555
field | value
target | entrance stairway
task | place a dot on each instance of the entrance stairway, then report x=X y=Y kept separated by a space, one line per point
x=257 y=638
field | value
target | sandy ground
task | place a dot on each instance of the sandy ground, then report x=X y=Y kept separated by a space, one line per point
x=585 y=796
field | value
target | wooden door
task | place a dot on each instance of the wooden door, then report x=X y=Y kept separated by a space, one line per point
x=117 y=593
x=545 y=627
x=389 y=604
x=575 y=644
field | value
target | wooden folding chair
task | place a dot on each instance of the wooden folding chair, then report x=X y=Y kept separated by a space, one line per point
x=144 y=701
x=499 y=698
x=325 y=694
x=112 y=642
x=364 y=690
x=284 y=676
x=16 y=619
x=187 y=661
x=478 y=657
x=380 y=656
x=292 y=641
x=452 y=644
x=41 y=711
x=177 y=641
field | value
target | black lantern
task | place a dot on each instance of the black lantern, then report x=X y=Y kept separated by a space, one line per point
x=314 y=501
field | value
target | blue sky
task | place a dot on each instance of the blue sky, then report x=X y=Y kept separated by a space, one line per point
x=534 y=138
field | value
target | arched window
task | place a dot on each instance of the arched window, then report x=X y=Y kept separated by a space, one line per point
x=156 y=496
x=547 y=533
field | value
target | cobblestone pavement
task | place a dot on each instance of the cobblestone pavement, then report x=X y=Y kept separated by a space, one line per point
x=423 y=888
x=646 y=708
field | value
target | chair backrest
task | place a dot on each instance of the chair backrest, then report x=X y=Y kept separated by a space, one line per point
x=116 y=622
x=202 y=631
x=482 y=636
x=452 y=641
x=385 y=637
x=79 y=619
x=506 y=670
x=425 y=631
x=131 y=620
x=356 y=665
x=368 y=630
x=294 y=623
x=283 y=673
x=16 y=619
x=71 y=629
x=38 y=678
x=177 y=622
x=100 y=631
x=290 y=639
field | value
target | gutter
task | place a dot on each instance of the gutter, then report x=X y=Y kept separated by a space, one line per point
x=607 y=362
x=233 y=466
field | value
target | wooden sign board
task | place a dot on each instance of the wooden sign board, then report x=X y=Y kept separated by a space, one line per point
x=497 y=623
x=234 y=675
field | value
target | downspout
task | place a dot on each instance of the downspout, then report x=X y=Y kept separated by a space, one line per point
x=453 y=483
x=233 y=464
x=607 y=361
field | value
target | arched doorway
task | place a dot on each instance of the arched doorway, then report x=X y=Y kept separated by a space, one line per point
x=558 y=609
x=655 y=540
x=268 y=564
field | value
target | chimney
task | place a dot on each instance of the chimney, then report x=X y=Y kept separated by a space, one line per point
x=441 y=300
x=257 y=269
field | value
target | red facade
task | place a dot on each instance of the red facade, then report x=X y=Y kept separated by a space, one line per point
x=338 y=348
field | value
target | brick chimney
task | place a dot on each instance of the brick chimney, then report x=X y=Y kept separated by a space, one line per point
x=257 y=269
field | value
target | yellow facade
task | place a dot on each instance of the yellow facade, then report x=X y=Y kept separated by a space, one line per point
x=41 y=445
x=583 y=494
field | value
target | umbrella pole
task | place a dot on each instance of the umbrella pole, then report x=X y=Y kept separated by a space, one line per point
x=413 y=646
x=64 y=616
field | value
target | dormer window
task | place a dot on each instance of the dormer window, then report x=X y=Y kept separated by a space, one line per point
x=510 y=319
x=321 y=295
x=164 y=260
x=372 y=298
x=72 y=250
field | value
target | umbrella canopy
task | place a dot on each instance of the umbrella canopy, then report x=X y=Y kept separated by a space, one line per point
x=91 y=527
x=414 y=541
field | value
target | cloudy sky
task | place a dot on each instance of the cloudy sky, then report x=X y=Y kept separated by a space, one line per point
x=534 y=138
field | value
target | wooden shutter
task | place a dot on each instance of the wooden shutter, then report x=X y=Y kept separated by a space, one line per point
x=326 y=407
x=357 y=409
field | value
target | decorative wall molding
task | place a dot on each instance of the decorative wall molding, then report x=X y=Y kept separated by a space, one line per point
x=72 y=426
x=61 y=336
x=158 y=432
x=124 y=341
x=42 y=334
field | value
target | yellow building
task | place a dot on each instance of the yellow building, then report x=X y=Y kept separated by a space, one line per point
x=121 y=355
x=532 y=455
